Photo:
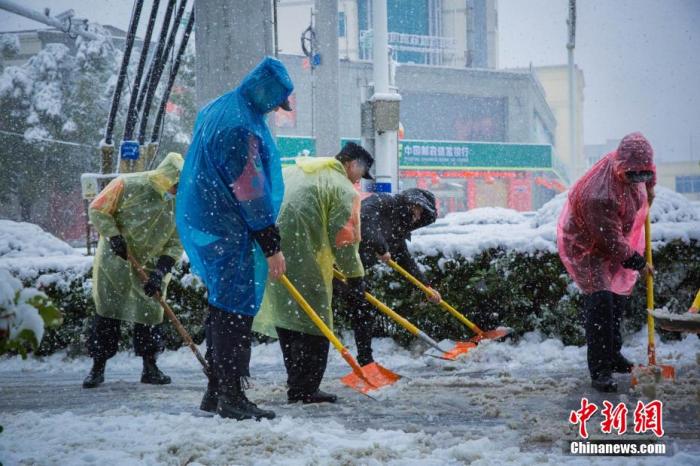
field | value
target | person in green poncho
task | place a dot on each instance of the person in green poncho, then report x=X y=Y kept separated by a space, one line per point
x=134 y=213
x=319 y=224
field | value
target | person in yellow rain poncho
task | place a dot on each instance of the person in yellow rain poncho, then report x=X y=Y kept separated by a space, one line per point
x=134 y=213
x=319 y=225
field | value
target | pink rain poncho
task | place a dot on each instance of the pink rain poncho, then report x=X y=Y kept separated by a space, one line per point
x=602 y=223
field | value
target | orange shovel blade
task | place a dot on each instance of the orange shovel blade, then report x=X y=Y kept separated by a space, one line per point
x=495 y=334
x=461 y=347
x=666 y=372
x=373 y=373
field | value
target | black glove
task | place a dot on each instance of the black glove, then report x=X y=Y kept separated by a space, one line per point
x=155 y=279
x=118 y=246
x=635 y=262
x=356 y=291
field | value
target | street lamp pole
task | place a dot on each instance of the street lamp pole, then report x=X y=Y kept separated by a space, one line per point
x=571 y=22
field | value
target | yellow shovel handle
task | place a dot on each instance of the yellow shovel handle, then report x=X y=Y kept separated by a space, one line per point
x=327 y=332
x=472 y=326
x=384 y=308
x=650 y=291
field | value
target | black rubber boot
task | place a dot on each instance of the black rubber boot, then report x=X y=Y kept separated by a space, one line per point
x=211 y=398
x=605 y=384
x=319 y=396
x=151 y=374
x=96 y=376
x=364 y=359
x=233 y=404
x=621 y=364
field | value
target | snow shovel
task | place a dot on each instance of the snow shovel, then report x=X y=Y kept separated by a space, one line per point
x=688 y=322
x=663 y=370
x=480 y=334
x=442 y=354
x=362 y=379
x=171 y=315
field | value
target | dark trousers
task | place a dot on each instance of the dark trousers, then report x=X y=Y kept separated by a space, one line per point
x=228 y=346
x=361 y=319
x=305 y=357
x=104 y=335
x=603 y=314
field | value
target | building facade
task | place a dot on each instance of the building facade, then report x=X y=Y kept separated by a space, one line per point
x=455 y=33
x=475 y=137
x=682 y=177
x=555 y=82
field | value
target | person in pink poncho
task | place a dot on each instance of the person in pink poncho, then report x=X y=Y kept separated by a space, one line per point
x=600 y=237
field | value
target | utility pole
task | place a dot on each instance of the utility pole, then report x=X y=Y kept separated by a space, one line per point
x=571 y=22
x=326 y=101
x=385 y=106
x=232 y=37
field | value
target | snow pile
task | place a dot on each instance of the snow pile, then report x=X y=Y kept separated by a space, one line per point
x=30 y=253
x=504 y=403
x=468 y=234
x=128 y=436
x=483 y=215
x=670 y=206
x=20 y=239
x=549 y=213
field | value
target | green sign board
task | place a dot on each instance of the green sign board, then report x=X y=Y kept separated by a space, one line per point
x=449 y=155
x=293 y=146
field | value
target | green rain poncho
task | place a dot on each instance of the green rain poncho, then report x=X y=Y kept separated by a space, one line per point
x=319 y=224
x=138 y=207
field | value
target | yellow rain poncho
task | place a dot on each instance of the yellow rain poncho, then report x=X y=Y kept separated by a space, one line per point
x=319 y=224
x=138 y=207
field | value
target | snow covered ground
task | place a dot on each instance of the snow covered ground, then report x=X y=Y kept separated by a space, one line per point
x=504 y=403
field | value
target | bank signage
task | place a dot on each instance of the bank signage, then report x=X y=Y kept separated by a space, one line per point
x=447 y=155
x=457 y=155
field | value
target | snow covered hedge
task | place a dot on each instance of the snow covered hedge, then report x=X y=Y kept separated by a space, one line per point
x=24 y=315
x=499 y=267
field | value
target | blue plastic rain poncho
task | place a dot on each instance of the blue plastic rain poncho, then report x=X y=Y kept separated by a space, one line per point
x=231 y=185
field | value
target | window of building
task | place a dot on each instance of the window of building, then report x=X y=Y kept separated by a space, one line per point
x=688 y=184
x=341 y=24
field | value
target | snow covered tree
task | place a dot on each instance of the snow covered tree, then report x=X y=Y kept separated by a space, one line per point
x=9 y=47
x=56 y=108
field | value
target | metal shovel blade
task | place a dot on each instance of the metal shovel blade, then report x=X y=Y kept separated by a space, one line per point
x=374 y=377
x=456 y=350
x=677 y=322
x=496 y=334
x=460 y=348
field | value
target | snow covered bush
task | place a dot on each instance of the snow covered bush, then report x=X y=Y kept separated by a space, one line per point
x=495 y=271
x=24 y=314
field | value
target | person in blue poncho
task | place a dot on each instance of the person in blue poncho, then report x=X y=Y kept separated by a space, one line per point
x=230 y=192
